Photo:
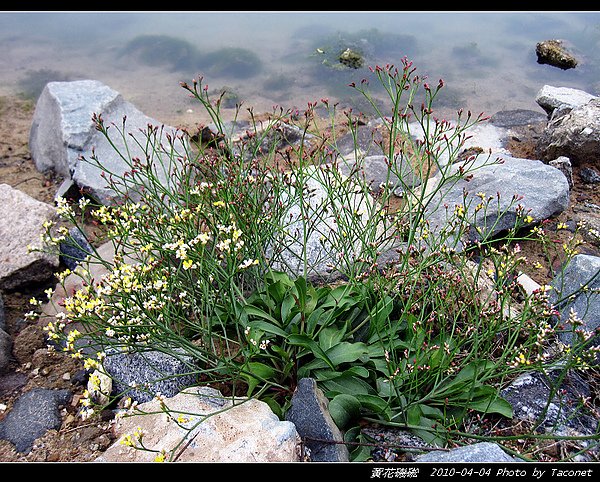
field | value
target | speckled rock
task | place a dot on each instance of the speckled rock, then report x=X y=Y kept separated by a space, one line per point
x=150 y=373
x=33 y=414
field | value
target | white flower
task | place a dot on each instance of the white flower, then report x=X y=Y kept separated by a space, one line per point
x=247 y=263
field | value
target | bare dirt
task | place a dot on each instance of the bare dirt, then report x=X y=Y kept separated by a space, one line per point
x=33 y=366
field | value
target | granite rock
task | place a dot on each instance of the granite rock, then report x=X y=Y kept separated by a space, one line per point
x=33 y=414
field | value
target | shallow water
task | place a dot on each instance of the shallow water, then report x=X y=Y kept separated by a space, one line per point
x=487 y=60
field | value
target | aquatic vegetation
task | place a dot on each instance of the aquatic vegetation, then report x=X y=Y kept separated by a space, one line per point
x=236 y=62
x=163 y=50
x=35 y=80
x=229 y=97
x=470 y=56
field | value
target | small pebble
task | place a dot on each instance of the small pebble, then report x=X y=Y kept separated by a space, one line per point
x=66 y=376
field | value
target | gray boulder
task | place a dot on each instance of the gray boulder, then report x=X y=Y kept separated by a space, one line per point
x=324 y=215
x=482 y=452
x=63 y=132
x=311 y=417
x=33 y=414
x=5 y=351
x=141 y=375
x=552 y=98
x=376 y=173
x=21 y=220
x=544 y=190
x=570 y=285
x=575 y=134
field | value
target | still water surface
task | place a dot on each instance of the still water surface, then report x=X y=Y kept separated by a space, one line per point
x=486 y=59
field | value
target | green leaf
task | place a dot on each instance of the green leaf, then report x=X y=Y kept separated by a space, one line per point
x=344 y=352
x=351 y=385
x=267 y=328
x=413 y=415
x=277 y=291
x=287 y=304
x=431 y=437
x=373 y=403
x=301 y=288
x=326 y=374
x=343 y=409
x=314 y=319
x=492 y=405
x=255 y=373
x=254 y=311
x=432 y=412
x=308 y=343
x=330 y=336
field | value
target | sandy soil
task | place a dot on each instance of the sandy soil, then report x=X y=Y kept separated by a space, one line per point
x=33 y=366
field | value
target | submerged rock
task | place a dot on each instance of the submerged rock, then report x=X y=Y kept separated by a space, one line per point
x=351 y=58
x=553 y=52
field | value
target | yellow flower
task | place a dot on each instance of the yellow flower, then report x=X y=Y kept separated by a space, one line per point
x=187 y=264
x=128 y=441
x=160 y=457
x=220 y=204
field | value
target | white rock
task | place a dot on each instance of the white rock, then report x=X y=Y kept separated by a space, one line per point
x=550 y=98
x=245 y=432
x=21 y=219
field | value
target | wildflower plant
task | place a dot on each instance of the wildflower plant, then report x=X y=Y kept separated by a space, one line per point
x=211 y=263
